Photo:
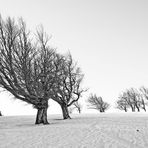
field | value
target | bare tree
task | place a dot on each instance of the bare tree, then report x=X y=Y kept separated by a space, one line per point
x=128 y=99
x=122 y=103
x=68 y=85
x=70 y=109
x=26 y=68
x=77 y=106
x=144 y=97
x=143 y=104
x=134 y=98
x=97 y=103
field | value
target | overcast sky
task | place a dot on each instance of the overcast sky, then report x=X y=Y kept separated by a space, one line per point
x=108 y=39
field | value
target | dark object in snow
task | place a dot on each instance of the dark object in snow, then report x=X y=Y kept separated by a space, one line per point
x=137 y=130
x=0 y=113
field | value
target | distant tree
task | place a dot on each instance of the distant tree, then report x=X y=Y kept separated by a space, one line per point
x=122 y=103
x=26 y=65
x=144 y=97
x=78 y=106
x=143 y=104
x=70 y=109
x=68 y=89
x=0 y=113
x=133 y=98
x=97 y=103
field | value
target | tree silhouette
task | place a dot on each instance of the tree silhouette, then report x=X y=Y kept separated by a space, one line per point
x=26 y=66
x=133 y=98
x=97 y=103
x=68 y=88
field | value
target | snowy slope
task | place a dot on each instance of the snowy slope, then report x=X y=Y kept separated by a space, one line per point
x=82 y=131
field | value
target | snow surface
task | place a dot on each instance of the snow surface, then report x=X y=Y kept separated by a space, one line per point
x=110 y=130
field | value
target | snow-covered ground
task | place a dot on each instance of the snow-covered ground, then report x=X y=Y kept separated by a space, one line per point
x=110 y=130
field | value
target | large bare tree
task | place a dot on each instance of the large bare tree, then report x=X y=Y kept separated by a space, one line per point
x=68 y=88
x=26 y=66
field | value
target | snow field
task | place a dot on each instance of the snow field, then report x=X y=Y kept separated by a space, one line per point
x=82 y=131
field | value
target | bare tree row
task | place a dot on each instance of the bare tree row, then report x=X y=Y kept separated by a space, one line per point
x=134 y=99
x=34 y=72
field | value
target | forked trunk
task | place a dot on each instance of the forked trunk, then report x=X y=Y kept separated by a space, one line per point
x=41 y=117
x=65 y=111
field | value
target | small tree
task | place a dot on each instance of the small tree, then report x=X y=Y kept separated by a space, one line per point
x=133 y=95
x=78 y=106
x=70 y=109
x=122 y=103
x=144 y=97
x=97 y=103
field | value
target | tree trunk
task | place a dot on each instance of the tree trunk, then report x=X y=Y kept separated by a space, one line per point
x=125 y=109
x=144 y=109
x=41 y=117
x=79 y=110
x=65 y=111
x=133 y=108
x=138 y=109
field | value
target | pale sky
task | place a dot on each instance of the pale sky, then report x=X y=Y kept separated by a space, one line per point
x=108 y=39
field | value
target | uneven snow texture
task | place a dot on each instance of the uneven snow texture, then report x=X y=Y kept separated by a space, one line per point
x=82 y=131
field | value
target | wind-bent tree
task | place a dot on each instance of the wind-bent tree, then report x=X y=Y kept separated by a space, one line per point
x=77 y=106
x=97 y=103
x=133 y=98
x=26 y=68
x=122 y=103
x=144 y=97
x=70 y=109
x=68 y=84
x=128 y=99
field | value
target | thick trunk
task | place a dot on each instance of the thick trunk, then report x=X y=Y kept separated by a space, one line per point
x=65 y=111
x=41 y=117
